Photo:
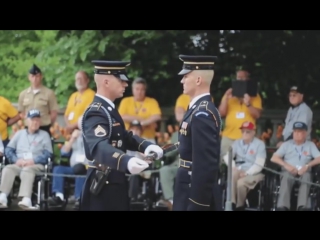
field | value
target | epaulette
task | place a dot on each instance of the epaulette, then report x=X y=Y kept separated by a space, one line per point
x=95 y=105
x=203 y=107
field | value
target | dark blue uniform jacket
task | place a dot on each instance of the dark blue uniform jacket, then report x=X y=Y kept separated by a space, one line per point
x=106 y=142
x=196 y=186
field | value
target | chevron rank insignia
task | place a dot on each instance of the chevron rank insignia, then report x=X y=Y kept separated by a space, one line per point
x=100 y=131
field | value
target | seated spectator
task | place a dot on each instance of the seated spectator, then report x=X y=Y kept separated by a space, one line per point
x=249 y=153
x=74 y=150
x=168 y=173
x=295 y=157
x=28 y=152
x=299 y=111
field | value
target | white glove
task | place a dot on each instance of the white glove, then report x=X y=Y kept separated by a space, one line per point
x=156 y=149
x=136 y=165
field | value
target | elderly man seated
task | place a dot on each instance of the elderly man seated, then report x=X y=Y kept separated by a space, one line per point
x=28 y=152
x=74 y=150
x=296 y=157
x=249 y=153
x=168 y=174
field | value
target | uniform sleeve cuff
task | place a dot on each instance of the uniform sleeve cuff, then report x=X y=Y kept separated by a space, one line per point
x=122 y=164
x=143 y=145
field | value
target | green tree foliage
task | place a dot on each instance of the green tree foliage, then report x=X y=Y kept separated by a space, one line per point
x=277 y=59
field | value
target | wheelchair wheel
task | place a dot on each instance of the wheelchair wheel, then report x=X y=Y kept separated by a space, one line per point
x=154 y=193
x=274 y=192
x=43 y=194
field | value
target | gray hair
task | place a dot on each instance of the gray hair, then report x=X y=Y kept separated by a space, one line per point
x=139 y=80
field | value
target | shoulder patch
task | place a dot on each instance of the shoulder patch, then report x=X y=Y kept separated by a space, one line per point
x=204 y=104
x=100 y=131
x=201 y=113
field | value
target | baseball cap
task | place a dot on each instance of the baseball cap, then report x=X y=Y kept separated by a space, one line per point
x=33 y=113
x=135 y=123
x=297 y=89
x=248 y=125
x=34 y=70
x=300 y=126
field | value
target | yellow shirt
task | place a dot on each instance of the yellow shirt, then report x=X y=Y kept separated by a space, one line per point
x=183 y=101
x=237 y=114
x=77 y=104
x=145 y=109
x=7 y=111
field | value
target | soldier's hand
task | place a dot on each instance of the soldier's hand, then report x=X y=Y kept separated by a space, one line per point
x=154 y=149
x=136 y=165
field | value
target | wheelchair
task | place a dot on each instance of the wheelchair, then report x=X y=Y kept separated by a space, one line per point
x=40 y=191
x=313 y=201
x=149 y=194
x=69 y=186
x=257 y=198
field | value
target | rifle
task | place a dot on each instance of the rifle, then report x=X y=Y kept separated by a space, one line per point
x=166 y=148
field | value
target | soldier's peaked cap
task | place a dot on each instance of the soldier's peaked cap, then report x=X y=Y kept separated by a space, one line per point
x=34 y=70
x=116 y=68
x=197 y=62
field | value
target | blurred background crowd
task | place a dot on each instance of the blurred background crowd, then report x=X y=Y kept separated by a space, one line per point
x=47 y=83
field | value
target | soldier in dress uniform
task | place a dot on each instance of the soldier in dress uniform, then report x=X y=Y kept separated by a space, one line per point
x=196 y=186
x=106 y=142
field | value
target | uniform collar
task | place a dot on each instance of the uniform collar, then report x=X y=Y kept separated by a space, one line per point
x=300 y=144
x=36 y=132
x=243 y=143
x=30 y=89
x=197 y=98
x=297 y=105
x=107 y=100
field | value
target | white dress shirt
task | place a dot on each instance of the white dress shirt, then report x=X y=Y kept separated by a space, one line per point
x=107 y=100
x=196 y=99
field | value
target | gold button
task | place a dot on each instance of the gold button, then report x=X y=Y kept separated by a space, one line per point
x=107 y=182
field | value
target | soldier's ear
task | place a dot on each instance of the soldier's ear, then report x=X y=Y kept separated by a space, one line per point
x=198 y=82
